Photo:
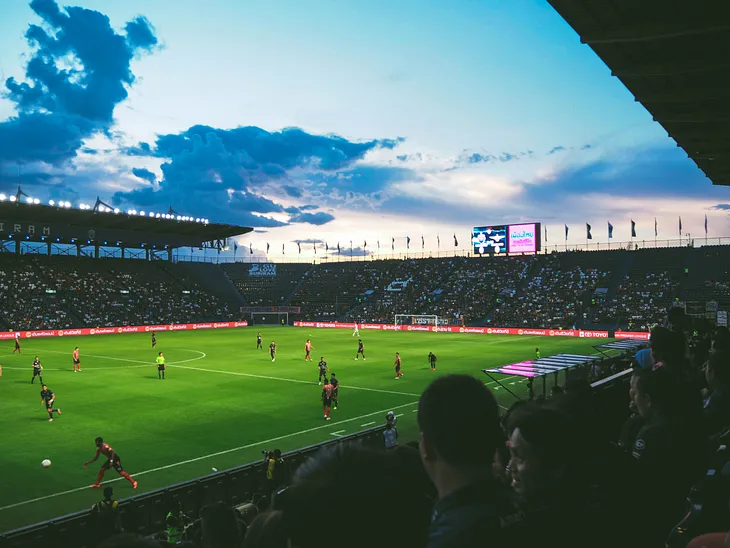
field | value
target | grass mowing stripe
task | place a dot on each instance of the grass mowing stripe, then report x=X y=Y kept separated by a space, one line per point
x=219 y=453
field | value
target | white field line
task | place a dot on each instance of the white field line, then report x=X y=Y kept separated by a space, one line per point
x=212 y=455
x=367 y=424
x=202 y=356
x=339 y=433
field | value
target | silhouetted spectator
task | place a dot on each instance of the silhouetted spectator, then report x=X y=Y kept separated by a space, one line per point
x=717 y=404
x=220 y=526
x=457 y=450
x=107 y=520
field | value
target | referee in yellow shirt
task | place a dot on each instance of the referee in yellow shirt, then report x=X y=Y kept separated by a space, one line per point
x=160 y=366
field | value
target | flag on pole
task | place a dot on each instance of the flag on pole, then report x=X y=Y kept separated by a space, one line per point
x=633 y=229
x=282 y=249
x=680 y=226
x=408 y=242
x=546 y=234
x=423 y=242
x=326 y=247
x=438 y=241
x=250 y=248
x=566 y=233
x=656 y=228
x=705 y=225
x=235 y=247
x=456 y=242
x=267 y=248
x=338 y=247
x=392 y=244
x=365 y=244
x=300 y=247
x=378 y=243
x=588 y=232
x=315 y=248
x=610 y=230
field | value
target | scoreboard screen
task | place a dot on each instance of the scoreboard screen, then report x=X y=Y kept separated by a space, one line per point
x=503 y=239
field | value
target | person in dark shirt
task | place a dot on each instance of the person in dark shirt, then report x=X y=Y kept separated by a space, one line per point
x=106 y=516
x=322 y=366
x=335 y=390
x=154 y=340
x=473 y=509
x=272 y=351
x=432 y=360
x=717 y=405
x=37 y=370
x=47 y=399
x=360 y=350
x=259 y=342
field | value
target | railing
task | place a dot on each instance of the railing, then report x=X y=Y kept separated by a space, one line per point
x=376 y=255
x=145 y=514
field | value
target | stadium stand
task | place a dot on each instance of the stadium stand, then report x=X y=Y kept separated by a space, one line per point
x=266 y=290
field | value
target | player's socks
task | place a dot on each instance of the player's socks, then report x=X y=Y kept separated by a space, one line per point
x=127 y=477
x=99 y=477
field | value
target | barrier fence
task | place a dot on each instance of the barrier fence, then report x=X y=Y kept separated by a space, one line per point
x=531 y=332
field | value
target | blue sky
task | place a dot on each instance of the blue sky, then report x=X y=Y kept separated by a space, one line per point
x=336 y=121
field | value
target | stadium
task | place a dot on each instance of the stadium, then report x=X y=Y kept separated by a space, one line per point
x=495 y=388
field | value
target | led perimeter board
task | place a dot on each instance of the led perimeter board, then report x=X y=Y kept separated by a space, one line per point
x=503 y=239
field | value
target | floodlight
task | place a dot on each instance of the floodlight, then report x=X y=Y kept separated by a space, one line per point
x=116 y=210
x=13 y=199
x=29 y=199
x=51 y=202
x=157 y=215
x=152 y=214
x=36 y=201
x=197 y=220
x=141 y=213
x=3 y=197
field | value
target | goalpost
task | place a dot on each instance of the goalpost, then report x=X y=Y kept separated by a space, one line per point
x=417 y=319
x=270 y=318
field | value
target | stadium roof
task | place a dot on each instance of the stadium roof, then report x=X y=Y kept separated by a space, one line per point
x=132 y=229
x=673 y=57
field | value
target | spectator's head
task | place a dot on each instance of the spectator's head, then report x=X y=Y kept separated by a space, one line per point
x=666 y=346
x=542 y=451
x=220 y=527
x=129 y=540
x=267 y=531
x=345 y=485
x=108 y=492
x=652 y=392
x=457 y=447
x=717 y=371
x=721 y=340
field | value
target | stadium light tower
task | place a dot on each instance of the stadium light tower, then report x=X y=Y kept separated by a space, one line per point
x=101 y=207
x=20 y=194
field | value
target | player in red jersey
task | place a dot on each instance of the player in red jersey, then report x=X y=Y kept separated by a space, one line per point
x=308 y=351
x=327 y=399
x=113 y=461
x=77 y=362
x=397 y=365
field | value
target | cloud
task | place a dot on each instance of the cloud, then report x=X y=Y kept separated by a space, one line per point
x=227 y=170
x=721 y=207
x=317 y=219
x=144 y=174
x=78 y=72
x=556 y=149
x=351 y=252
x=309 y=241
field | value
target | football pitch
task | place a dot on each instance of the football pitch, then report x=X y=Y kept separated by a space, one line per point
x=223 y=402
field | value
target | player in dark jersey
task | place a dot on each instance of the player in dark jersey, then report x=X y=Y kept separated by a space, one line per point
x=432 y=360
x=47 y=399
x=327 y=400
x=322 y=365
x=37 y=370
x=154 y=340
x=113 y=461
x=397 y=366
x=17 y=344
x=259 y=341
x=272 y=351
x=335 y=390
x=360 y=350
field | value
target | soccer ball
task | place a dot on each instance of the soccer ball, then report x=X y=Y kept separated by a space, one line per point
x=46 y=463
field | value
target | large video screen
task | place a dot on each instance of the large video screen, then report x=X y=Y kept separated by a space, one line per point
x=490 y=239
x=503 y=239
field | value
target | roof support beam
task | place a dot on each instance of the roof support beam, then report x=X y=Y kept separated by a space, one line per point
x=646 y=33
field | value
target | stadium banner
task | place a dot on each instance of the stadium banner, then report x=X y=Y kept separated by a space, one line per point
x=455 y=329
x=638 y=335
x=4 y=335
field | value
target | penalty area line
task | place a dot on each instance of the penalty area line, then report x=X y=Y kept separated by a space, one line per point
x=212 y=455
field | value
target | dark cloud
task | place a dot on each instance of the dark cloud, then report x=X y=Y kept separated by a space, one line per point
x=507 y=157
x=62 y=103
x=410 y=157
x=222 y=170
x=586 y=147
x=721 y=207
x=350 y=252
x=317 y=219
x=309 y=241
x=307 y=207
x=144 y=174
x=553 y=150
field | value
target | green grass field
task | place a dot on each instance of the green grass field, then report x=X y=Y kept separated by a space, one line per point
x=222 y=403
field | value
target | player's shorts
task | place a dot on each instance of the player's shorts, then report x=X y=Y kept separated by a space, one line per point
x=36 y=372
x=397 y=368
x=76 y=362
x=17 y=344
x=160 y=367
x=361 y=351
x=327 y=402
x=116 y=464
x=308 y=354
x=49 y=405
x=335 y=394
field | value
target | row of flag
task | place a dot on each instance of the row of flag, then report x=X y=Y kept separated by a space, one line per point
x=589 y=235
x=365 y=245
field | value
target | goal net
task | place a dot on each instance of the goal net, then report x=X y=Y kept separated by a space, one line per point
x=417 y=319
x=270 y=318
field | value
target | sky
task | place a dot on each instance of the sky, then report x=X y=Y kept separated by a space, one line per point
x=326 y=121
